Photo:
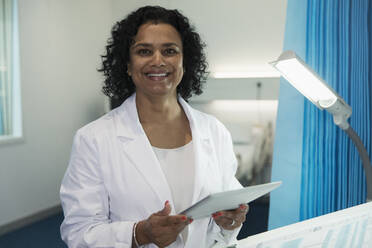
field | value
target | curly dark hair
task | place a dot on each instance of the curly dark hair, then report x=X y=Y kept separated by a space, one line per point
x=119 y=85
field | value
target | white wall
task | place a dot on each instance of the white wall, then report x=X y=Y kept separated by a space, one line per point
x=242 y=36
x=240 y=104
x=121 y=9
x=60 y=44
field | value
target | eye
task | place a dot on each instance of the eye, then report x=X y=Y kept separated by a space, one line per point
x=170 y=51
x=144 y=52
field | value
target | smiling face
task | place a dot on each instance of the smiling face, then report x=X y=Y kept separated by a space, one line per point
x=156 y=57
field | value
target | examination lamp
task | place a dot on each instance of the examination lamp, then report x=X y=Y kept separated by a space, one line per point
x=308 y=83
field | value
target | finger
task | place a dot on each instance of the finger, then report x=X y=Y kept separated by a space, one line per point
x=229 y=224
x=166 y=209
x=243 y=208
x=226 y=223
x=175 y=220
x=224 y=220
x=228 y=214
x=229 y=219
x=238 y=216
x=233 y=224
x=221 y=219
x=180 y=226
x=217 y=214
x=240 y=211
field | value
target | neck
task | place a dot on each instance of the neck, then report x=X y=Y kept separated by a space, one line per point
x=158 y=109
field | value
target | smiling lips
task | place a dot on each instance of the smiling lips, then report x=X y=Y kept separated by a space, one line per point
x=157 y=76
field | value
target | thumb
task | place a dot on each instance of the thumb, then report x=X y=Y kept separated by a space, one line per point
x=166 y=210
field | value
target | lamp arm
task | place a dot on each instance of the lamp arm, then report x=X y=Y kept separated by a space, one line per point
x=365 y=159
x=340 y=111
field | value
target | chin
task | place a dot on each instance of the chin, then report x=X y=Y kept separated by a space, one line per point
x=164 y=94
x=163 y=90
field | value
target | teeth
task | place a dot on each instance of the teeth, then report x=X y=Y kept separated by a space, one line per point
x=157 y=74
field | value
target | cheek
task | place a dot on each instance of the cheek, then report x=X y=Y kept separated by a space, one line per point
x=135 y=65
x=180 y=66
x=134 y=71
x=180 y=71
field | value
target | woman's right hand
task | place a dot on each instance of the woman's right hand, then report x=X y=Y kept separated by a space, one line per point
x=161 y=228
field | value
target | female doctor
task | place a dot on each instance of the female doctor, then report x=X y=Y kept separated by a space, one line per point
x=132 y=170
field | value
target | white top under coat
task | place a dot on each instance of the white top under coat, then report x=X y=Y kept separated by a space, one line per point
x=179 y=170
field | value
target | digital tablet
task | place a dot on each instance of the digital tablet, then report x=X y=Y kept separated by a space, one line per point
x=228 y=200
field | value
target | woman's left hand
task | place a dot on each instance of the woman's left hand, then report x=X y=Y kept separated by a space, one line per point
x=231 y=219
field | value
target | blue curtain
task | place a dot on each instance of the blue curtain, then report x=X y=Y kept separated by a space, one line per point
x=337 y=35
x=287 y=157
x=337 y=48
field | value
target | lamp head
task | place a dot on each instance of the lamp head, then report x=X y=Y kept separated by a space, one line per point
x=304 y=79
x=312 y=86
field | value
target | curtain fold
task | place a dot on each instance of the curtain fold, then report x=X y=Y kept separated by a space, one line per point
x=6 y=43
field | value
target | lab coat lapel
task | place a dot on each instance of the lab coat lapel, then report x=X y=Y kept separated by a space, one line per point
x=139 y=151
x=202 y=150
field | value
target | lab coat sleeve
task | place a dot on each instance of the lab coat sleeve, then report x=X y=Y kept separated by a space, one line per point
x=85 y=202
x=228 y=165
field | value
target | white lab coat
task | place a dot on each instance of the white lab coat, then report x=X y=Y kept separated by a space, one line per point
x=114 y=179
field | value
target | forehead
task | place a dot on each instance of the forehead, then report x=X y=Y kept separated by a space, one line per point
x=157 y=34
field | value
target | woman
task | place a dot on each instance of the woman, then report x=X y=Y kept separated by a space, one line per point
x=132 y=170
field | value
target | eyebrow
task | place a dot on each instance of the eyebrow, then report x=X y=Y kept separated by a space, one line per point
x=150 y=45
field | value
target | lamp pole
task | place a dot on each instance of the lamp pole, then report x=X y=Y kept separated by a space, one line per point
x=341 y=113
x=365 y=159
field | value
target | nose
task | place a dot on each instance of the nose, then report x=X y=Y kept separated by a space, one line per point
x=158 y=59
